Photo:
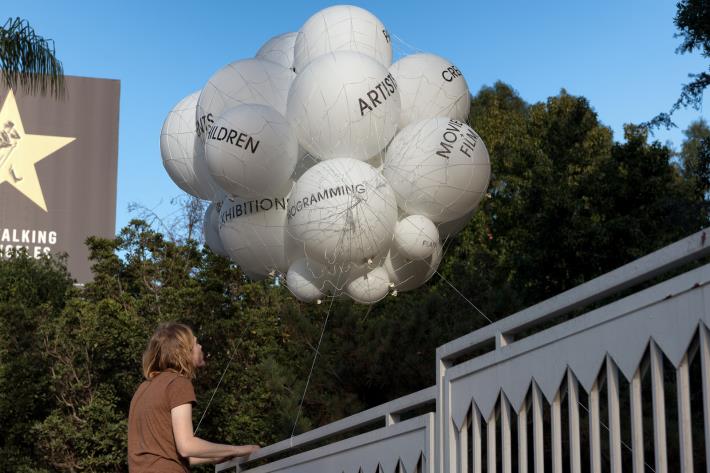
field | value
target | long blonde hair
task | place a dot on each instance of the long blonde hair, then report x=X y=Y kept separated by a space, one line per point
x=170 y=349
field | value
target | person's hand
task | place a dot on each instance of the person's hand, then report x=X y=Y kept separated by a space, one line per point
x=245 y=450
x=252 y=449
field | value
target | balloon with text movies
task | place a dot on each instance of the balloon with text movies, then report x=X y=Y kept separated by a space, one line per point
x=438 y=168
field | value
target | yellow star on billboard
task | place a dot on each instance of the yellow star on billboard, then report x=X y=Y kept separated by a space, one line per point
x=19 y=152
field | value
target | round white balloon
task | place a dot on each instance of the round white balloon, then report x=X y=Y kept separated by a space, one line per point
x=407 y=274
x=251 y=151
x=438 y=168
x=430 y=87
x=210 y=230
x=341 y=211
x=344 y=105
x=303 y=280
x=252 y=232
x=369 y=288
x=342 y=28
x=249 y=81
x=416 y=237
x=183 y=154
x=279 y=49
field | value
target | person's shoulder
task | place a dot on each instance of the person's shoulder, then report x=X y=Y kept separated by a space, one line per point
x=171 y=377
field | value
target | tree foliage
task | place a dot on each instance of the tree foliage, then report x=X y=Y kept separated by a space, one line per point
x=693 y=22
x=566 y=204
x=28 y=60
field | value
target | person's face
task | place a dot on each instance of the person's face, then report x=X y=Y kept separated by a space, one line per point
x=198 y=359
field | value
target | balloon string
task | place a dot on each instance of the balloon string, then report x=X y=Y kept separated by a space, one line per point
x=218 y=383
x=460 y=294
x=313 y=364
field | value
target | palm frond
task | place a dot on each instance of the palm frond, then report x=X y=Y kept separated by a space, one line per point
x=28 y=60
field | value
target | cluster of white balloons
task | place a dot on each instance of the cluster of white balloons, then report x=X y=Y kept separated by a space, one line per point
x=329 y=164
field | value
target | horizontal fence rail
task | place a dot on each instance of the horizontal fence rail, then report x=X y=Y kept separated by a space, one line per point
x=622 y=387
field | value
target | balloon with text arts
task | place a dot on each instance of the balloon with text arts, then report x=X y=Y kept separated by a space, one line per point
x=210 y=228
x=342 y=28
x=279 y=49
x=430 y=87
x=183 y=153
x=252 y=232
x=248 y=81
x=406 y=274
x=342 y=211
x=344 y=105
x=369 y=288
x=304 y=280
x=251 y=151
x=416 y=237
x=438 y=168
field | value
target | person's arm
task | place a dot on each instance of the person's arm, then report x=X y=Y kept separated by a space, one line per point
x=190 y=446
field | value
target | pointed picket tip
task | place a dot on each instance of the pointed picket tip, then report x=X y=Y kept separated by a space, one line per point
x=389 y=464
x=516 y=393
x=586 y=368
x=486 y=401
x=676 y=348
x=410 y=466
x=628 y=358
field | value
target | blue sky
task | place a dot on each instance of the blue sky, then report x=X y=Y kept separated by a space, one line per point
x=618 y=54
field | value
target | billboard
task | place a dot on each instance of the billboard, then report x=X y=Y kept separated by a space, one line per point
x=58 y=165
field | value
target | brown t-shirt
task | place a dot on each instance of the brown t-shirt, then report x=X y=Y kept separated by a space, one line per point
x=151 y=444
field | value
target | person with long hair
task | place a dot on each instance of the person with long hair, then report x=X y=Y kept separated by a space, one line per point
x=160 y=435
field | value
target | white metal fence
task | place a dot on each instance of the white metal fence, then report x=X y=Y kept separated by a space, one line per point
x=623 y=387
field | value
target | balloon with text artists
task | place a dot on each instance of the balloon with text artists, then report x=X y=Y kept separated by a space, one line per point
x=330 y=163
x=160 y=433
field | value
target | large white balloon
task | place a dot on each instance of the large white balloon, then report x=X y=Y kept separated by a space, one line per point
x=408 y=274
x=430 y=87
x=251 y=151
x=279 y=49
x=252 y=232
x=303 y=280
x=341 y=211
x=344 y=105
x=210 y=229
x=416 y=237
x=342 y=28
x=183 y=154
x=369 y=288
x=249 y=81
x=438 y=168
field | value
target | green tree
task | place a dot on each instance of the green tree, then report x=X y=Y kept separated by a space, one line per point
x=693 y=22
x=695 y=160
x=28 y=60
x=31 y=291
